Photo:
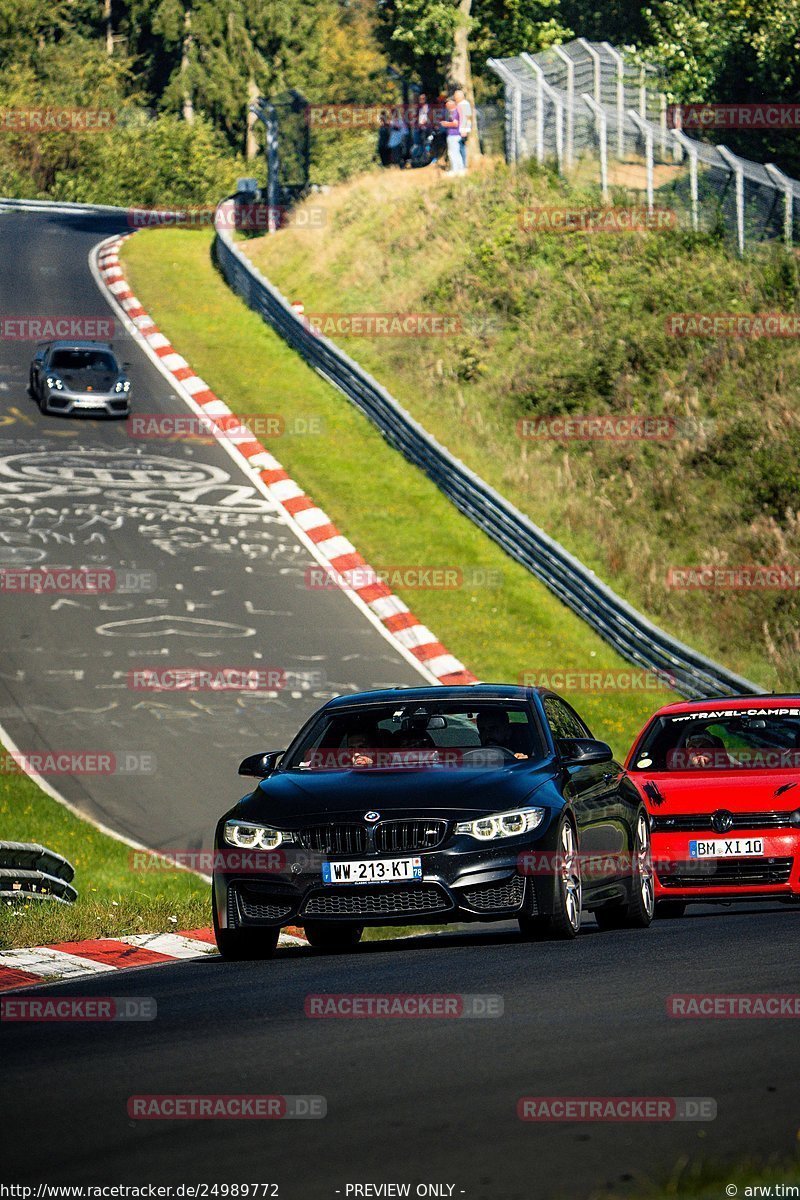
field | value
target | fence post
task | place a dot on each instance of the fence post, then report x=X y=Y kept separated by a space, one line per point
x=539 y=124
x=620 y=97
x=646 y=130
x=662 y=121
x=569 y=149
x=736 y=169
x=683 y=142
x=602 y=133
x=784 y=183
x=642 y=94
x=595 y=57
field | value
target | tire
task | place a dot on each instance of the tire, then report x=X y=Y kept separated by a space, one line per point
x=670 y=910
x=638 y=912
x=565 y=920
x=335 y=938
x=241 y=945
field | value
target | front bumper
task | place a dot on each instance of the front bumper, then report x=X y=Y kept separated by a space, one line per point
x=456 y=885
x=678 y=876
x=110 y=404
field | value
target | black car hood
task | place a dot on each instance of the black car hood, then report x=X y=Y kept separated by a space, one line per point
x=291 y=799
x=81 y=381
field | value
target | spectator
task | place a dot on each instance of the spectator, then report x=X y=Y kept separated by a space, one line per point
x=383 y=141
x=398 y=134
x=422 y=123
x=465 y=119
x=451 y=124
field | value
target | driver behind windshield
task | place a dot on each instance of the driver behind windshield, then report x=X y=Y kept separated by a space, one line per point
x=495 y=729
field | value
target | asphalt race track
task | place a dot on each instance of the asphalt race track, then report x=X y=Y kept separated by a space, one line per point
x=225 y=580
x=408 y=1100
x=420 y=1100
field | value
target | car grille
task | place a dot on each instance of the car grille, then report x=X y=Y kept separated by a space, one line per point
x=391 y=836
x=386 y=837
x=335 y=839
x=700 y=822
x=728 y=872
x=381 y=902
x=253 y=905
x=489 y=897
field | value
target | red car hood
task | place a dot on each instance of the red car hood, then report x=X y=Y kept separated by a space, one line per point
x=667 y=792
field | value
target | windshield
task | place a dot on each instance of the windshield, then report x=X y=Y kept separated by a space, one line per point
x=720 y=740
x=418 y=735
x=82 y=360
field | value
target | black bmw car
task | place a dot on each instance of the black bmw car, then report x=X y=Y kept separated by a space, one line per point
x=432 y=804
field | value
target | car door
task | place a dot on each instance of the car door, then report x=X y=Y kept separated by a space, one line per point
x=593 y=792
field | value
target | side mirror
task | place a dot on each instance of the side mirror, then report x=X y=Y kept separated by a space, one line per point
x=583 y=752
x=260 y=765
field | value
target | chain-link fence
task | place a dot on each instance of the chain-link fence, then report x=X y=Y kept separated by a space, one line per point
x=603 y=119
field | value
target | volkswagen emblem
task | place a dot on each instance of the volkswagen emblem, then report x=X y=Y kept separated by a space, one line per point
x=722 y=821
x=371 y=816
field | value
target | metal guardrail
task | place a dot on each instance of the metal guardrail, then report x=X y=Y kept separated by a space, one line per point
x=631 y=634
x=29 y=871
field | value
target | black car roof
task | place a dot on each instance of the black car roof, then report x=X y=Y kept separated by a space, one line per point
x=409 y=695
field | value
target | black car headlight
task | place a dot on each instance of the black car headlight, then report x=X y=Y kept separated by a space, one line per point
x=248 y=836
x=53 y=382
x=503 y=825
x=122 y=385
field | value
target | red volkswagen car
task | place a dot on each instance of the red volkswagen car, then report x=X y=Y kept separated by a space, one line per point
x=721 y=781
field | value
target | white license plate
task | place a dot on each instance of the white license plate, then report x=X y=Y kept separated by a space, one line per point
x=373 y=870
x=727 y=848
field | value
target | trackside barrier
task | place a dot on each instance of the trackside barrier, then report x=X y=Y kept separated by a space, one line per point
x=630 y=633
x=29 y=871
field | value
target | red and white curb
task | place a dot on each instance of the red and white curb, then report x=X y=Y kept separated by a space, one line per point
x=331 y=547
x=98 y=956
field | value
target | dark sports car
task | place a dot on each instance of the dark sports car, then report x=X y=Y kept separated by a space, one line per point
x=70 y=377
x=432 y=804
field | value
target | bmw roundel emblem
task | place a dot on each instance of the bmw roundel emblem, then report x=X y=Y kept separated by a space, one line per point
x=371 y=816
x=722 y=821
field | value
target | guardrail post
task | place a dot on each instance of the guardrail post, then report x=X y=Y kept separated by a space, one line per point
x=784 y=184
x=736 y=170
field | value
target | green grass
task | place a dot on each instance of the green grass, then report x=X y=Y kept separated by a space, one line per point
x=112 y=899
x=391 y=511
x=709 y=1181
x=580 y=328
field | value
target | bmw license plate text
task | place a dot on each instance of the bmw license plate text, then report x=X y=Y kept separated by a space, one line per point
x=373 y=870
